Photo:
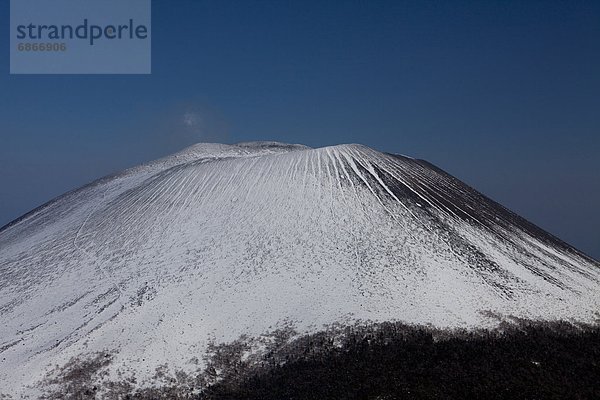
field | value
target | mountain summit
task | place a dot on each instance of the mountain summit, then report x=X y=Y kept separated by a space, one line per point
x=217 y=241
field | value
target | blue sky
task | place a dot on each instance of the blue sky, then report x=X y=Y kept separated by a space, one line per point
x=505 y=95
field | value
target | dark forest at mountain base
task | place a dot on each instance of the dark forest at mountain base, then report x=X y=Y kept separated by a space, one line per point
x=520 y=360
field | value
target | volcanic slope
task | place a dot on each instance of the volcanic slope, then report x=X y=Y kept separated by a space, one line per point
x=217 y=241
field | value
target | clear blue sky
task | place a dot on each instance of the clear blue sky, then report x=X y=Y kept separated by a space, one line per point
x=505 y=95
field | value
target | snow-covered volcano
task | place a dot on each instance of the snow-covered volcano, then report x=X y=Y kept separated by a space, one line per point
x=218 y=241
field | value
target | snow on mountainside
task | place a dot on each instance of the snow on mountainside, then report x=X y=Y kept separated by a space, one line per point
x=217 y=241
